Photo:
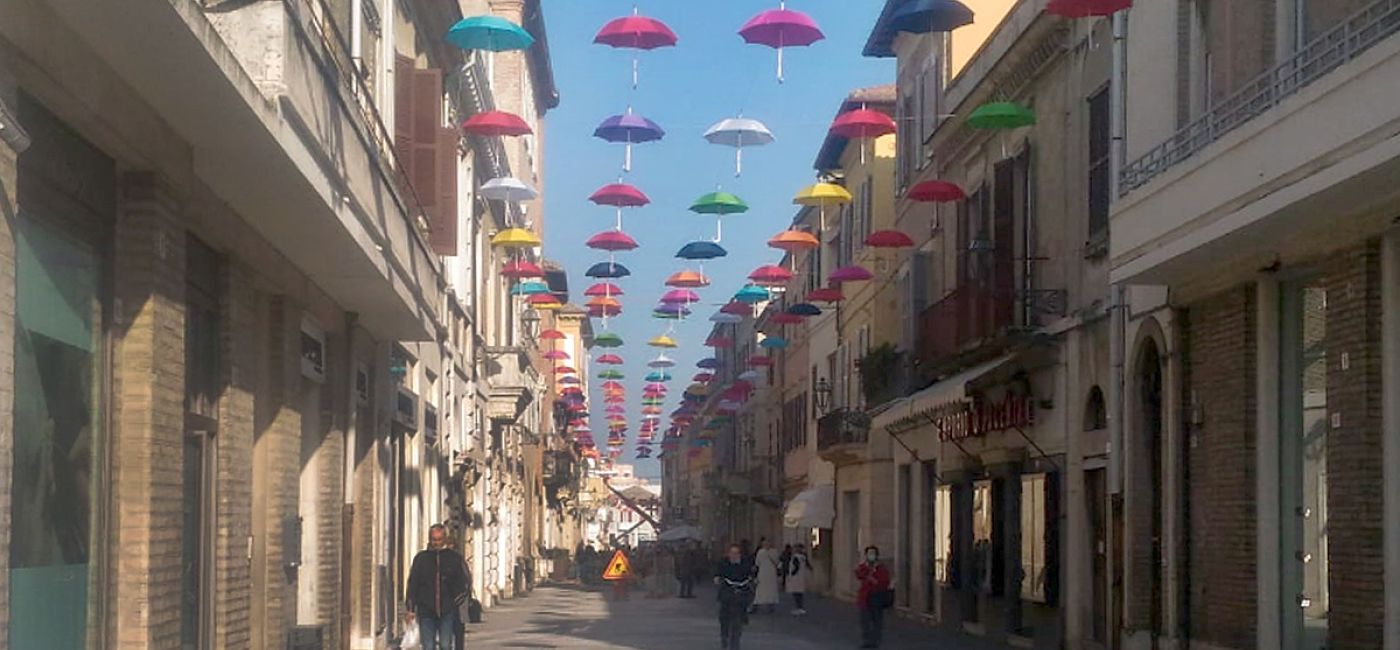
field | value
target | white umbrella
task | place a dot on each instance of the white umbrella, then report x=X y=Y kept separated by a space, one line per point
x=726 y=319
x=739 y=132
x=662 y=361
x=508 y=189
x=749 y=375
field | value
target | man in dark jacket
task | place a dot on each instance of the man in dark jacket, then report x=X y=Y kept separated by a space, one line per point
x=734 y=576
x=437 y=586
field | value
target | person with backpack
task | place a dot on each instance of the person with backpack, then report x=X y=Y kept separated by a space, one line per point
x=798 y=570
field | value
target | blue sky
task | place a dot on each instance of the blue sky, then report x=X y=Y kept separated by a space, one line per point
x=710 y=75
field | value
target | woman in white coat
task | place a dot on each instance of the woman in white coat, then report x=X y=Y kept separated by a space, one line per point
x=769 y=570
x=799 y=568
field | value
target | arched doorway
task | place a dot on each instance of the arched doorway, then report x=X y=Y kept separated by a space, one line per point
x=1148 y=376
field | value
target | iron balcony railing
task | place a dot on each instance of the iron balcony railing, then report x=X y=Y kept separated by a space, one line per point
x=842 y=427
x=1326 y=53
x=964 y=317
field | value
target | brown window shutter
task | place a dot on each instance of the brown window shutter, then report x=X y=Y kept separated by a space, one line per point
x=403 y=118
x=443 y=237
x=427 y=119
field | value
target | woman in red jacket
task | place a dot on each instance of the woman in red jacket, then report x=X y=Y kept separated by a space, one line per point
x=874 y=596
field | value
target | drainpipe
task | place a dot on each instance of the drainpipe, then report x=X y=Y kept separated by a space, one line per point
x=1118 y=300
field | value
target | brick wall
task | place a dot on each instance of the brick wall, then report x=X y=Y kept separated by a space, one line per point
x=329 y=459
x=1356 y=565
x=148 y=406
x=7 y=356
x=1219 y=337
x=232 y=605
x=276 y=470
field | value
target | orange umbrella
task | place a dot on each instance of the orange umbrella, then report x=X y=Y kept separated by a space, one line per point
x=793 y=241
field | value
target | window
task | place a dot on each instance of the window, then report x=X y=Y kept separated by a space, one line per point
x=1095 y=411
x=1100 y=165
x=203 y=383
x=1033 y=521
x=984 y=556
x=907 y=139
x=942 y=534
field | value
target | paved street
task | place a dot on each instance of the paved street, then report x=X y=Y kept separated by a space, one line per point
x=571 y=617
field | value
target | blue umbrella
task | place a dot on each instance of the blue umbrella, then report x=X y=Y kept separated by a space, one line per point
x=773 y=342
x=607 y=270
x=489 y=33
x=529 y=288
x=925 y=16
x=629 y=129
x=708 y=363
x=752 y=294
x=701 y=250
x=805 y=309
x=726 y=319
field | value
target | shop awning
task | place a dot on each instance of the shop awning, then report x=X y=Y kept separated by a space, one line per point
x=814 y=507
x=948 y=390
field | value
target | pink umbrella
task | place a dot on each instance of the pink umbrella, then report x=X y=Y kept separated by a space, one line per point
x=936 y=192
x=612 y=384
x=825 y=294
x=680 y=296
x=620 y=195
x=604 y=289
x=770 y=274
x=636 y=32
x=780 y=28
x=719 y=342
x=522 y=269
x=888 y=239
x=556 y=355
x=785 y=318
x=612 y=241
x=565 y=370
x=610 y=359
x=863 y=124
x=853 y=273
x=737 y=308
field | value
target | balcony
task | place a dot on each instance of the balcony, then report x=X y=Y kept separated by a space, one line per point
x=511 y=381
x=558 y=469
x=964 y=319
x=1247 y=183
x=842 y=435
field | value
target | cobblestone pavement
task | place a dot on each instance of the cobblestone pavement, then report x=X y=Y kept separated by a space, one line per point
x=574 y=617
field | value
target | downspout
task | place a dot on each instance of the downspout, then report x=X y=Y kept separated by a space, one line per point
x=1117 y=316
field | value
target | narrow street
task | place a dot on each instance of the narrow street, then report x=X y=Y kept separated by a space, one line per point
x=566 y=616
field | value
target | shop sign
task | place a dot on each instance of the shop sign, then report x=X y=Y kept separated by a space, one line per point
x=963 y=419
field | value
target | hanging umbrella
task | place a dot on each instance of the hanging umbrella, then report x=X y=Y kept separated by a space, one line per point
x=719 y=342
x=612 y=385
x=508 y=189
x=804 y=309
x=719 y=203
x=610 y=360
x=489 y=33
x=636 y=32
x=1001 y=115
x=752 y=294
x=793 y=241
x=604 y=302
x=671 y=312
x=610 y=374
x=555 y=355
x=822 y=194
x=564 y=370
x=825 y=294
x=726 y=319
x=611 y=241
x=495 y=124
x=780 y=28
x=688 y=280
x=853 y=273
x=760 y=361
x=569 y=381
x=888 y=239
x=619 y=195
x=515 y=238
x=607 y=271
x=628 y=129
x=708 y=363
x=737 y=308
x=739 y=132
x=522 y=269
x=749 y=375
x=681 y=296
x=658 y=376
x=773 y=343
x=606 y=289
x=1087 y=8
x=604 y=312
x=661 y=361
x=701 y=250
x=936 y=192
x=927 y=16
x=663 y=341
x=607 y=340
x=863 y=123
x=545 y=302
x=770 y=274
x=529 y=288
x=784 y=318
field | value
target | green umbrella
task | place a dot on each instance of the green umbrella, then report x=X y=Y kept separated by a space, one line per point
x=1001 y=115
x=489 y=33
x=608 y=340
x=610 y=374
x=720 y=203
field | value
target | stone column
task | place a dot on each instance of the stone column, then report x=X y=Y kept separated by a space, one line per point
x=8 y=176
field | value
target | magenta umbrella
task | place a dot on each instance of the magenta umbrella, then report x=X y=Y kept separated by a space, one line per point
x=556 y=355
x=612 y=241
x=853 y=273
x=780 y=28
x=636 y=32
x=606 y=289
x=680 y=296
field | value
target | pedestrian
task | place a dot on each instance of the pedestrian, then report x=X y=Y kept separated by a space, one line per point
x=735 y=578
x=873 y=598
x=437 y=587
x=783 y=563
x=799 y=568
x=769 y=570
x=685 y=573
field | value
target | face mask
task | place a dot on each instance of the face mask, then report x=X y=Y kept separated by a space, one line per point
x=871 y=557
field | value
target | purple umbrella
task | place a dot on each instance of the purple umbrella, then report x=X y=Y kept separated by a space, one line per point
x=629 y=129
x=780 y=28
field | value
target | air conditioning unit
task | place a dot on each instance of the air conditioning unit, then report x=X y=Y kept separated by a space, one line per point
x=406 y=410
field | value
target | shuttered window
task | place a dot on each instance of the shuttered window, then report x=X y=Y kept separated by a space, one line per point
x=427 y=151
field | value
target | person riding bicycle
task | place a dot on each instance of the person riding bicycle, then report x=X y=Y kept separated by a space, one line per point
x=735 y=576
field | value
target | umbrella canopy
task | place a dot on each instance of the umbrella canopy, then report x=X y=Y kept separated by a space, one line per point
x=614 y=385
x=555 y=355
x=628 y=129
x=680 y=296
x=737 y=308
x=661 y=361
x=608 y=271
x=785 y=318
x=708 y=363
x=720 y=203
x=825 y=294
x=780 y=28
x=612 y=241
x=489 y=33
x=529 y=288
x=889 y=239
x=610 y=374
x=658 y=376
x=551 y=335
x=1087 y=8
x=495 y=124
x=515 y=238
x=853 y=273
x=603 y=289
x=863 y=123
x=936 y=191
x=1001 y=115
x=718 y=342
x=726 y=319
x=739 y=132
x=701 y=250
x=804 y=309
x=770 y=274
x=926 y=16
x=610 y=360
x=620 y=195
x=822 y=194
x=670 y=312
x=663 y=341
x=604 y=312
x=749 y=375
x=773 y=343
x=752 y=294
x=688 y=280
x=604 y=302
x=545 y=302
x=636 y=32
x=508 y=189
x=522 y=269
x=607 y=340
x=564 y=370
x=793 y=241
x=569 y=381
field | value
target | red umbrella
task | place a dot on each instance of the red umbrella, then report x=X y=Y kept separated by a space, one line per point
x=785 y=318
x=522 y=269
x=853 y=273
x=737 y=308
x=612 y=385
x=703 y=377
x=760 y=361
x=636 y=32
x=605 y=289
x=770 y=274
x=612 y=240
x=564 y=370
x=620 y=195
x=825 y=294
x=888 y=239
x=556 y=355
x=494 y=124
x=610 y=359
x=863 y=123
x=718 y=342
x=936 y=192
x=551 y=335
x=542 y=299
x=780 y=28
x=1087 y=8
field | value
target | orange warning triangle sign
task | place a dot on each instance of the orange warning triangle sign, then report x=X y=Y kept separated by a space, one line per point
x=618 y=568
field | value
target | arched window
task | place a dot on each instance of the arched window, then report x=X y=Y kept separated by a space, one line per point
x=1095 y=411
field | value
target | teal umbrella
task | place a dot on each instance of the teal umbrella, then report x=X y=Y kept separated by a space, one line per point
x=752 y=294
x=529 y=288
x=773 y=343
x=1001 y=115
x=489 y=33
x=658 y=376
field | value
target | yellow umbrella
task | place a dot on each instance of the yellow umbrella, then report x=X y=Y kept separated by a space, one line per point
x=663 y=341
x=515 y=238
x=548 y=306
x=821 y=195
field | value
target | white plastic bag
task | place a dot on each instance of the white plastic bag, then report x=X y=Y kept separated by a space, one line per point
x=410 y=640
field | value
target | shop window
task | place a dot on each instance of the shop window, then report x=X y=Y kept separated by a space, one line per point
x=984 y=556
x=943 y=534
x=1033 y=534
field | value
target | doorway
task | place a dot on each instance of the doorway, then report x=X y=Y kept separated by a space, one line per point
x=1149 y=387
x=1095 y=502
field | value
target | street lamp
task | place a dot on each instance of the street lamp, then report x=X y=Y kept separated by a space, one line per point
x=823 y=395
x=530 y=320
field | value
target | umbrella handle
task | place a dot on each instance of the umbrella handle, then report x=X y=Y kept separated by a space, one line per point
x=780 y=64
x=635 y=72
x=627 y=158
x=619 y=218
x=738 y=161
